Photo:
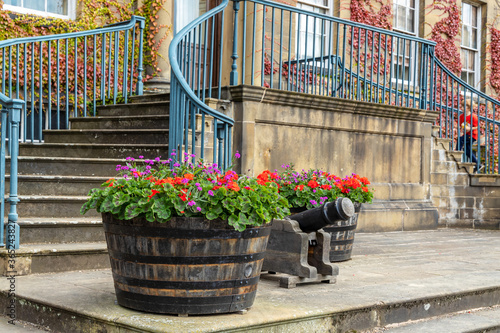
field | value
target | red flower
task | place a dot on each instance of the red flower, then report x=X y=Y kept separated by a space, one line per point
x=326 y=187
x=364 y=180
x=299 y=187
x=153 y=192
x=233 y=186
x=189 y=176
x=312 y=184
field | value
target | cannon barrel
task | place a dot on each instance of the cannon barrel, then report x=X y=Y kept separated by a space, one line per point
x=330 y=212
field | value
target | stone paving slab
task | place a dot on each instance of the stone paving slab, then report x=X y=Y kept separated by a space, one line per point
x=484 y=320
x=393 y=277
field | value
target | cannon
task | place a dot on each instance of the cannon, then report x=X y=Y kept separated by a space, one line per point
x=330 y=212
x=298 y=248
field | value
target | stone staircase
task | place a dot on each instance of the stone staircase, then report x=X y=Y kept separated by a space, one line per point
x=464 y=199
x=55 y=177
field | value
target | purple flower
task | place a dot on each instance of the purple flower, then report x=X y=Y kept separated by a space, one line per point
x=313 y=202
x=237 y=155
x=118 y=167
x=198 y=209
x=125 y=168
x=211 y=193
x=191 y=203
x=141 y=157
x=157 y=159
x=173 y=154
x=176 y=165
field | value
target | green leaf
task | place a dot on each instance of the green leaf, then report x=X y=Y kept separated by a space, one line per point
x=132 y=211
x=107 y=205
x=232 y=220
x=211 y=215
x=120 y=198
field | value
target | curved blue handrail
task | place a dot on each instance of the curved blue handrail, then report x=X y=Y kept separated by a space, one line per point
x=192 y=83
x=174 y=63
x=106 y=29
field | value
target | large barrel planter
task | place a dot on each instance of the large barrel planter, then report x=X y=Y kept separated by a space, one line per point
x=186 y=266
x=342 y=236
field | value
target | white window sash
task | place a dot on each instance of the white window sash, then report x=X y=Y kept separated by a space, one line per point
x=22 y=10
x=477 y=51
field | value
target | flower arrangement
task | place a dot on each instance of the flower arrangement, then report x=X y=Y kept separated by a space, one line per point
x=155 y=190
x=313 y=188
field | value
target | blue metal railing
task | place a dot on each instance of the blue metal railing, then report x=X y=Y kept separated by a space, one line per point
x=68 y=75
x=287 y=48
x=46 y=80
x=11 y=117
x=454 y=99
x=196 y=56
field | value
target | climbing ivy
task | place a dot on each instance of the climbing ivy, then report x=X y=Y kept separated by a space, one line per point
x=446 y=34
x=94 y=14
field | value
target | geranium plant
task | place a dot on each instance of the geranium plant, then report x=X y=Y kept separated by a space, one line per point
x=156 y=191
x=313 y=188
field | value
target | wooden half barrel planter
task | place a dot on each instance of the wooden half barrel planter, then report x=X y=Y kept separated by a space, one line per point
x=342 y=236
x=188 y=266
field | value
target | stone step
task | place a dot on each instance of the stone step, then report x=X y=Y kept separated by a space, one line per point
x=61 y=230
x=66 y=166
x=85 y=150
x=19 y=326
x=446 y=167
x=30 y=185
x=442 y=143
x=466 y=167
x=161 y=97
x=454 y=179
x=42 y=206
x=140 y=107
x=114 y=136
x=121 y=122
x=51 y=258
x=475 y=320
x=447 y=155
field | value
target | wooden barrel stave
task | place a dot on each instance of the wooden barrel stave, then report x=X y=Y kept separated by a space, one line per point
x=165 y=273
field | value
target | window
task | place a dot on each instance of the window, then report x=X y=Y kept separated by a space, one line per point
x=64 y=9
x=309 y=24
x=405 y=21
x=187 y=11
x=469 y=51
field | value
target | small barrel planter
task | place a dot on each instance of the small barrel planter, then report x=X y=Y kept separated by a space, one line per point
x=188 y=266
x=342 y=236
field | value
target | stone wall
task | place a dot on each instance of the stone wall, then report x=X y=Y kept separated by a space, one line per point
x=389 y=145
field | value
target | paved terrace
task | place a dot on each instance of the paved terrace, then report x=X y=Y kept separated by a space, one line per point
x=393 y=278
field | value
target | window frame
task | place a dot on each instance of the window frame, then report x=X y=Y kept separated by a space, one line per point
x=23 y=10
x=328 y=11
x=407 y=83
x=477 y=51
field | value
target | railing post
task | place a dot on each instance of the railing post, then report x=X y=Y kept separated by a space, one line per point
x=5 y=113
x=233 y=78
x=13 y=226
x=140 y=86
x=423 y=82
